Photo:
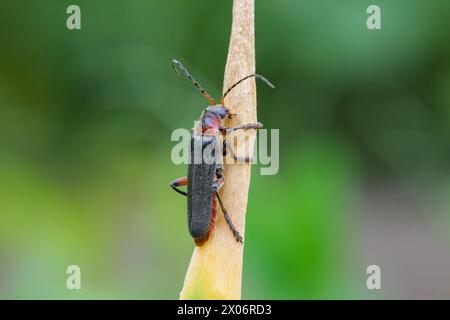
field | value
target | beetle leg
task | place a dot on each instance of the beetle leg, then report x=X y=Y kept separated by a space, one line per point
x=219 y=180
x=247 y=126
x=217 y=184
x=233 y=229
x=179 y=182
x=228 y=149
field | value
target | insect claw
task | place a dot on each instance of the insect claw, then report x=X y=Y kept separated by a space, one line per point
x=239 y=238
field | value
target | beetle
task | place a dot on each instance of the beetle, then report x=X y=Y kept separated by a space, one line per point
x=206 y=177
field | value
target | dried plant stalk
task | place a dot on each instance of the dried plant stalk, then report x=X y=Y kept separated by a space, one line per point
x=215 y=270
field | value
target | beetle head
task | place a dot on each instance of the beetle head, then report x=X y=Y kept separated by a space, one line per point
x=218 y=109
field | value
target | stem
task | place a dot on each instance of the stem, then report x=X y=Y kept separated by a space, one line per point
x=215 y=270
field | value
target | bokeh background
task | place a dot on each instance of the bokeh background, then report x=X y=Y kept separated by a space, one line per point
x=85 y=124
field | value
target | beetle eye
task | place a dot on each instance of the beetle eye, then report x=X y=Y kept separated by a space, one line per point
x=224 y=113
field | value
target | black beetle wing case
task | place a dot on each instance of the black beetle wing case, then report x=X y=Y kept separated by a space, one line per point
x=200 y=176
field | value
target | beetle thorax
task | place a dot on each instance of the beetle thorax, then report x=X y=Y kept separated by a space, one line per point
x=210 y=123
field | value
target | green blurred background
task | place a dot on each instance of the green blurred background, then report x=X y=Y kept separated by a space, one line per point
x=85 y=124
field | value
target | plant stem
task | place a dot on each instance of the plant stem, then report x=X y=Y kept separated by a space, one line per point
x=215 y=270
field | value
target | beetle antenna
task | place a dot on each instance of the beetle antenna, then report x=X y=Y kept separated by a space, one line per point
x=177 y=66
x=257 y=76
